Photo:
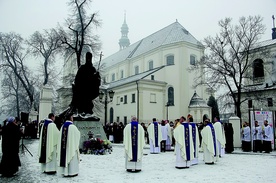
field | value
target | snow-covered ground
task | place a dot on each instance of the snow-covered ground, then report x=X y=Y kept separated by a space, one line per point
x=238 y=167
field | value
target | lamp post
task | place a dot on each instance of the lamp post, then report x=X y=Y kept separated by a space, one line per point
x=105 y=94
x=168 y=105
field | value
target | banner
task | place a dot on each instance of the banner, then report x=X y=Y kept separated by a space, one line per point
x=260 y=116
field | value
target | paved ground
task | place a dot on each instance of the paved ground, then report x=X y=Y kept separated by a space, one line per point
x=155 y=168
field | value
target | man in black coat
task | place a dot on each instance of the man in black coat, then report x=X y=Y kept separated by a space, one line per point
x=10 y=148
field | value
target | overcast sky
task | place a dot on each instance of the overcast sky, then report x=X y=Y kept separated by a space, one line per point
x=144 y=17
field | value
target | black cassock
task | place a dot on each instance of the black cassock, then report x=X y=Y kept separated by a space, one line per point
x=10 y=148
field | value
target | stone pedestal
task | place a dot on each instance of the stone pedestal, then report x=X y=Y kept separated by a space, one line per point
x=33 y=115
x=85 y=126
x=45 y=103
x=235 y=121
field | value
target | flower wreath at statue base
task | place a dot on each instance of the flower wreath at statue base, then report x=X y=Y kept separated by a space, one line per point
x=97 y=146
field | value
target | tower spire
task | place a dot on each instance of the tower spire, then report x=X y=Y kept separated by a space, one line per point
x=125 y=18
x=124 y=41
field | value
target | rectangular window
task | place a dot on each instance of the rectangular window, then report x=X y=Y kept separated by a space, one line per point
x=122 y=99
x=122 y=74
x=152 y=98
x=269 y=102
x=133 y=98
x=125 y=99
x=136 y=70
x=113 y=77
x=192 y=60
x=118 y=100
x=118 y=119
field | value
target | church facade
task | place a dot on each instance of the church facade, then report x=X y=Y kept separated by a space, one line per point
x=150 y=77
x=259 y=92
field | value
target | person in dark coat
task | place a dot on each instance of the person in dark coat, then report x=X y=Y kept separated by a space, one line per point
x=229 y=132
x=11 y=135
x=121 y=127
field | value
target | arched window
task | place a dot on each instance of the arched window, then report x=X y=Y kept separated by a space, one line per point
x=150 y=65
x=258 y=68
x=192 y=60
x=170 y=60
x=170 y=96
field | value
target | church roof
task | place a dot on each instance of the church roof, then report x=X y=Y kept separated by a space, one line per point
x=267 y=43
x=133 y=78
x=196 y=101
x=173 y=33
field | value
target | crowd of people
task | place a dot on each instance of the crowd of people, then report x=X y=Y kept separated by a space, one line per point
x=114 y=132
x=183 y=136
x=59 y=147
x=261 y=136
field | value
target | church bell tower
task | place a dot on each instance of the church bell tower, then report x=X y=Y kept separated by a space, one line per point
x=124 y=41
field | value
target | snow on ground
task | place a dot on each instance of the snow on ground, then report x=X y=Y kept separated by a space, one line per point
x=238 y=167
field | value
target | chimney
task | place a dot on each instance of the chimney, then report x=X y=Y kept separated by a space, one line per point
x=273 y=28
x=274 y=33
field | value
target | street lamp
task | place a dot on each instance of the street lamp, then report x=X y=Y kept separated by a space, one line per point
x=168 y=105
x=104 y=94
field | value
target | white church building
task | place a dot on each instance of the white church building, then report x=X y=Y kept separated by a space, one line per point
x=150 y=78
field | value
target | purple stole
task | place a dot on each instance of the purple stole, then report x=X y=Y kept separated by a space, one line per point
x=64 y=143
x=134 y=139
x=214 y=137
x=187 y=140
x=156 y=133
x=194 y=136
x=42 y=158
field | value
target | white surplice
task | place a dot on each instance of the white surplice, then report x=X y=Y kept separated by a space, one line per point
x=180 y=147
x=133 y=165
x=209 y=155
x=220 y=136
x=72 y=152
x=51 y=147
x=154 y=147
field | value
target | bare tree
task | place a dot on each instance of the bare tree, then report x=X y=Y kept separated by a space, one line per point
x=12 y=57
x=229 y=56
x=15 y=98
x=79 y=37
x=47 y=45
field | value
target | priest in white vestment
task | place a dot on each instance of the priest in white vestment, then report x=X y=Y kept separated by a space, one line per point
x=267 y=137
x=246 y=137
x=155 y=136
x=184 y=148
x=134 y=143
x=257 y=137
x=209 y=146
x=68 y=149
x=48 y=141
x=220 y=137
